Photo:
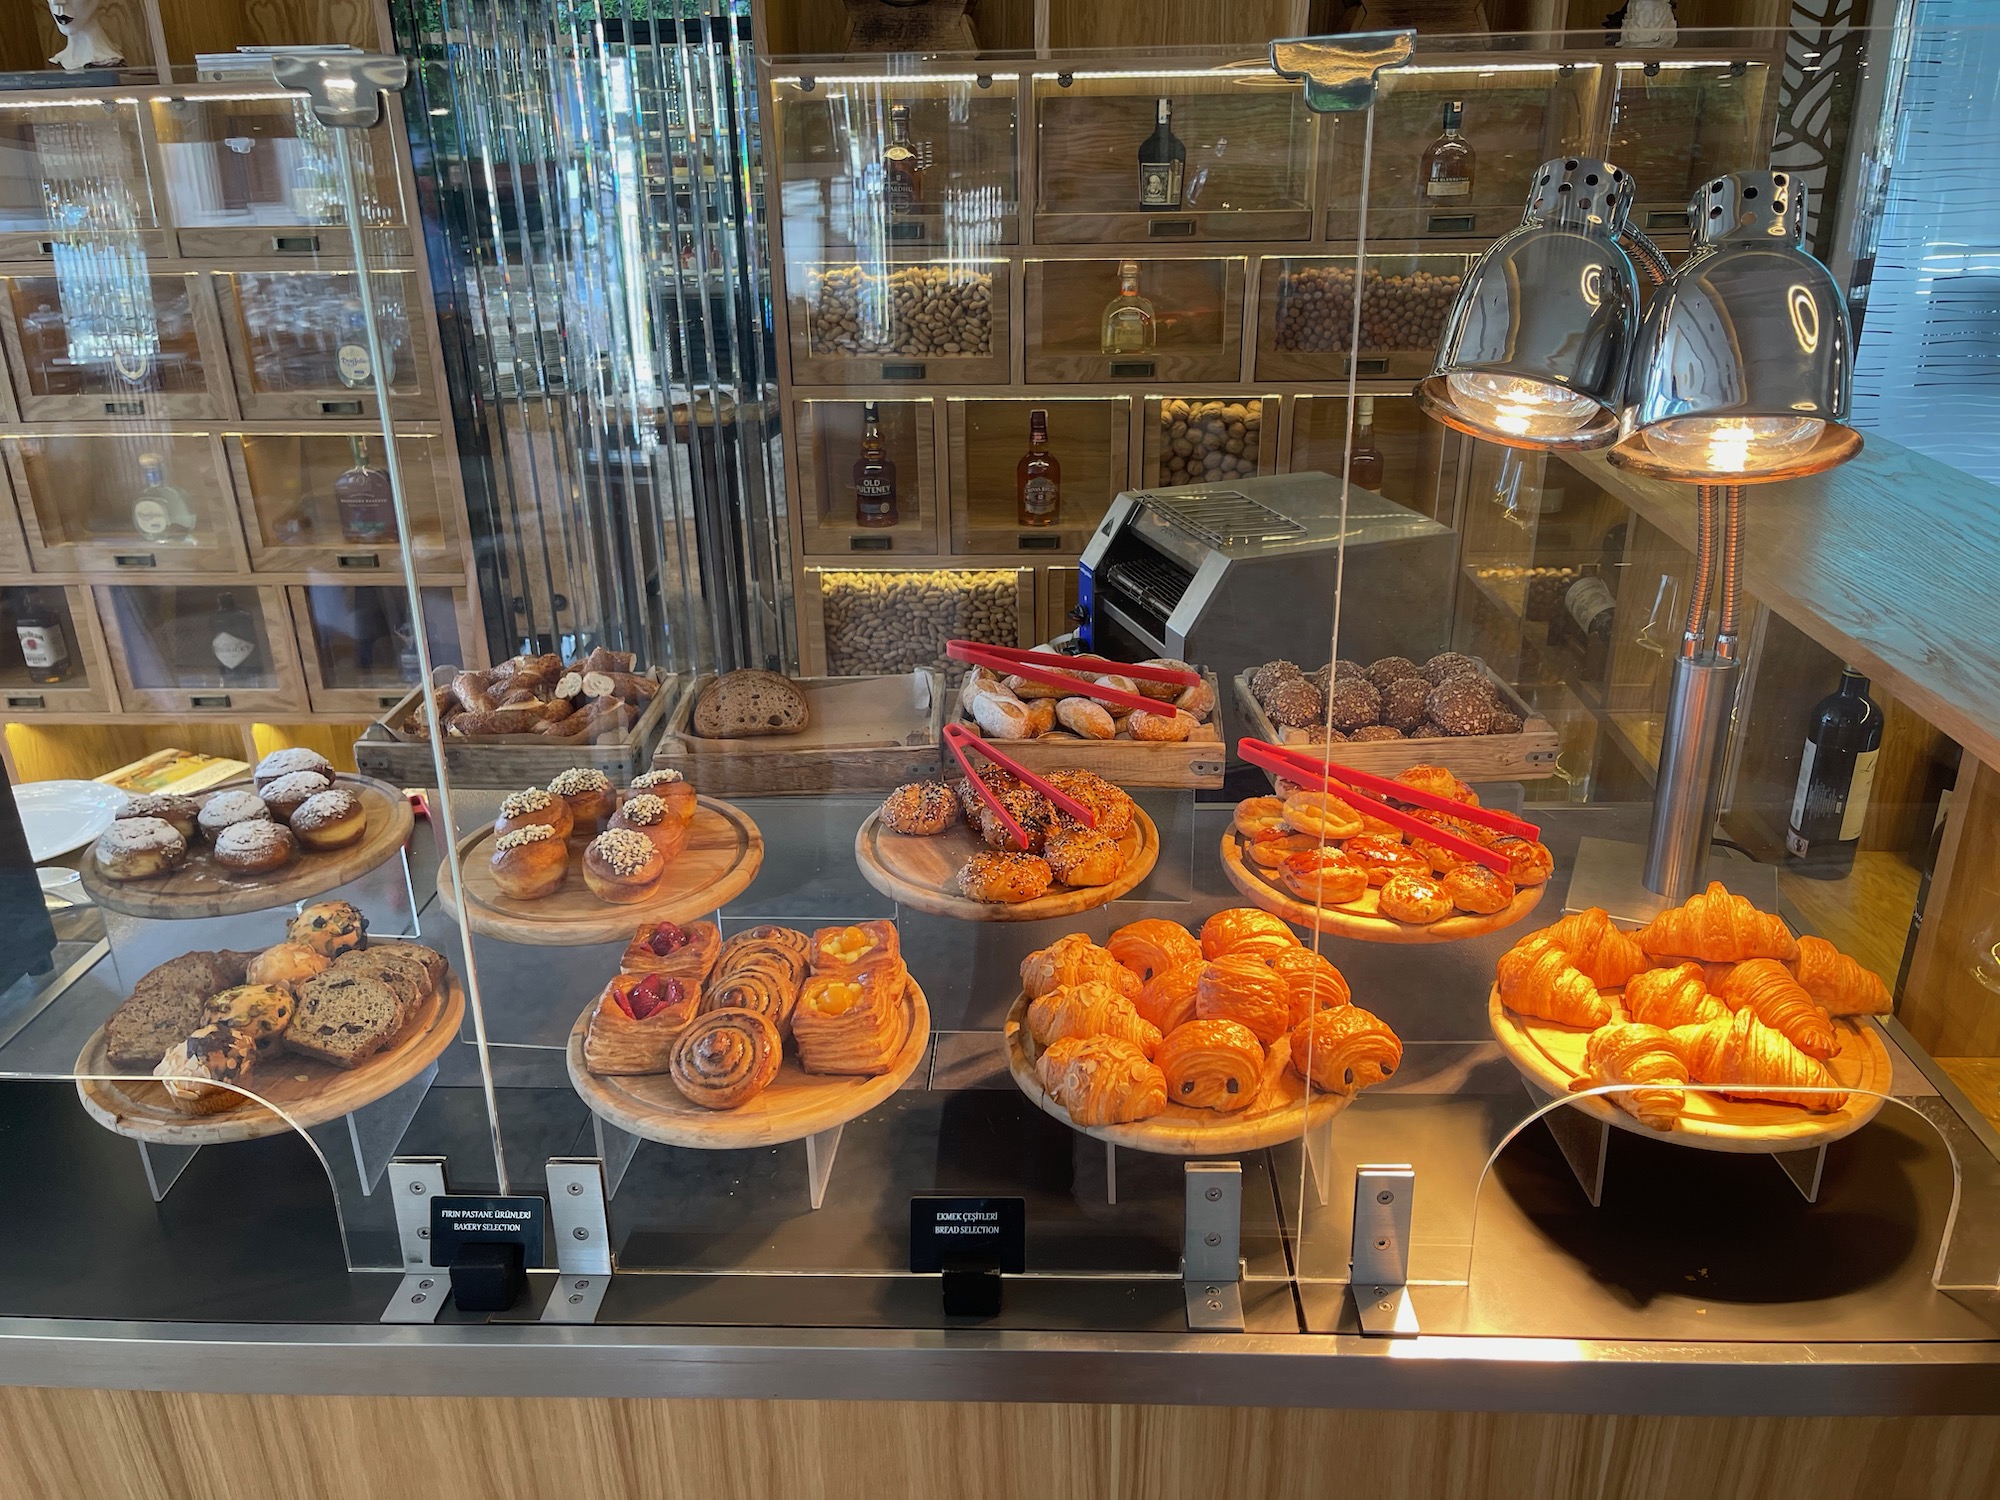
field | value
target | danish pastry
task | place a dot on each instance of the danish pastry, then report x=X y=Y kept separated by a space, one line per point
x=1322 y=815
x=1214 y=1064
x=1528 y=862
x=1475 y=888
x=788 y=938
x=851 y=1023
x=1071 y=960
x=920 y=808
x=725 y=1058
x=1101 y=1080
x=1083 y=858
x=1382 y=856
x=686 y=952
x=1168 y=1000
x=636 y=1022
x=1242 y=987
x=842 y=950
x=763 y=985
x=1093 y=1009
x=1344 y=1050
x=1245 y=929
x=1152 y=945
x=1005 y=876
x=1415 y=896
x=1324 y=875
x=1311 y=982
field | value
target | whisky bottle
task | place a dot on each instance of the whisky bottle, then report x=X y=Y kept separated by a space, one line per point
x=365 y=500
x=1038 y=477
x=1836 y=776
x=232 y=641
x=1162 y=162
x=1364 y=460
x=1128 y=317
x=162 y=512
x=1448 y=164
x=44 y=646
x=902 y=177
x=874 y=475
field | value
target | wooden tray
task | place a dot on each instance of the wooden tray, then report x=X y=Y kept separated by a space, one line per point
x=723 y=854
x=1178 y=1130
x=1527 y=756
x=309 y=1092
x=923 y=872
x=1550 y=1056
x=1363 y=919
x=510 y=760
x=202 y=888
x=866 y=734
x=796 y=1105
x=1198 y=761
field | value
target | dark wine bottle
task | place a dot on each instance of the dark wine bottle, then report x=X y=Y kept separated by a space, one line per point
x=1843 y=737
x=1162 y=161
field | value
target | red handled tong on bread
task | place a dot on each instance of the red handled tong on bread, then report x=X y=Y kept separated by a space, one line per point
x=1355 y=786
x=1062 y=671
x=958 y=739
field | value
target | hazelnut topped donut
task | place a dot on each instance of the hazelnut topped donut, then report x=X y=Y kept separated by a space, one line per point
x=589 y=795
x=648 y=815
x=531 y=808
x=622 y=866
x=530 y=862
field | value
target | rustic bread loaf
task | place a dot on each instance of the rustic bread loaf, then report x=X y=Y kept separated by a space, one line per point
x=738 y=705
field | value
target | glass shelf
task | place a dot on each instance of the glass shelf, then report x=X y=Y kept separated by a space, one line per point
x=854 y=324
x=311 y=503
x=292 y=335
x=78 y=172
x=1420 y=458
x=88 y=504
x=201 y=649
x=1197 y=320
x=1090 y=436
x=56 y=626
x=357 y=646
x=829 y=442
x=1305 y=314
x=865 y=621
x=1206 y=439
x=1675 y=123
x=107 y=338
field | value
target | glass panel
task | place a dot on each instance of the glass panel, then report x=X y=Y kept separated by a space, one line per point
x=1204 y=439
x=1675 y=123
x=189 y=636
x=932 y=321
x=1308 y=314
x=994 y=507
x=74 y=166
x=300 y=334
x=362 y=637
x=884 y=621
x=242 y=163
x=836 y=460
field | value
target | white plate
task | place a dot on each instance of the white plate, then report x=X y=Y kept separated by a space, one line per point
x=63 y=815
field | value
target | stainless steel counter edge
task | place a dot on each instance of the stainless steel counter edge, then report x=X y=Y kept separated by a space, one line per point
x=1444 y=1374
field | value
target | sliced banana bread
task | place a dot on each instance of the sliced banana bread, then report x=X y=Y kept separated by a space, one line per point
x=343 y=1018
x=166 y=1006
x=405 y=977
x=433 y=962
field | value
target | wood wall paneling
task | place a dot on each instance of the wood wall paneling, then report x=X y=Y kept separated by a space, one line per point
x=1945 y=1005
x=194 y=26
x=28 y=35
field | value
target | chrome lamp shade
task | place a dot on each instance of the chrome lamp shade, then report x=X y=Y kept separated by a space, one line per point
x=1534 y=351
x=1745 y=357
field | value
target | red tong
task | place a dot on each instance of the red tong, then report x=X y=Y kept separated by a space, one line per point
x=1354 y=786
x=1053 y=667
x=958 y=739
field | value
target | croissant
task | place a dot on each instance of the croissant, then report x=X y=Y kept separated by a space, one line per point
x=1169 y=1000
x=1343 y=1051
x=1090 y=1009
x=1211 y=1065
x=1717 y=926
x=1101 y=1080
x=1765 y=987
x=1838 y=982
x=1628 y=1052
x=1311 y=982
x=1672 y=997
x=1744 y=1051
x=1245 y=929
x=1152 y=945
x=1074 y=960
x=1240 y=987
x=1538 y=979
x=1608 y=955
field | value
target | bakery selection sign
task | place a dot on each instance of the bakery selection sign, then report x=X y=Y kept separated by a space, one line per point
x=457 y=1218
x=948 y=1233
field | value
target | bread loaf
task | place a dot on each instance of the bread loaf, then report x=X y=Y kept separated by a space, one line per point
x=739 y=705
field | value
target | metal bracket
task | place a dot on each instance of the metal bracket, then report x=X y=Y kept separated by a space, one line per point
x=1212 y=1246
x=413 y=1182
x=346 y=88
x=1380 y=1258
x=583 y=1239
x=1339 y=72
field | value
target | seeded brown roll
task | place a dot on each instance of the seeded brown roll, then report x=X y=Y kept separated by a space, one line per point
x=290 y=792
x=922 y=808
x=1404 y=701
x=1449 y=664
x=1270 y=675
x=225 y=808
x=589 y=795
x=1387 y=669
x=330 y=820
x=1368 y=732
x=529 y=863
x=139 y=848
x=995 y=876
x=168 y=807
x=534 y=808
x=1354 y=703
x=621 y=866
x=255 y=847
x=648 y=815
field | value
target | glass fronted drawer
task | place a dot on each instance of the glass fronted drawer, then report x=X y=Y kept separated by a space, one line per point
x=52 y=658
x=298 y=343
x=107 y=338
x=124 y=501
x=200 y=649
x=1134 y=319
x=359 y=649
x=994 y=506
x=865 y=621
x=1676 y=123
x=321 y=502
x=855 y=324
x=1205 y=439
x=1397 y=451
x=1305 y=314
x=75 y=172
x=899 y=512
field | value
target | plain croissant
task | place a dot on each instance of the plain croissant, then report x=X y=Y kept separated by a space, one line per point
x=1609 y=955
x=1538 y=979
x=1838 y=982
x=1672 y=997
x=1765 y=987
x=1625 y=1052
x=1756 y=1063
x=1717 y=926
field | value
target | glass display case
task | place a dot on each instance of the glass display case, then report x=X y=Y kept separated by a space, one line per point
x=320 y=500
x=71 y=173
x=52 y=652
x=298 y=345
x=121 y=500
x=871 y=485
x=931 y=321
x=1134 y=319
x=193 y=649
x=112 y=340
x=358 y=644
x=1395 y=449
x=999 y=504
x=1305 y=318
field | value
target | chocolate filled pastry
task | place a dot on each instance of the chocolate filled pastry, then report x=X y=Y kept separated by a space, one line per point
x=285 y=762
x=1168 y=1000
x=1083 y=858
x=1475 y=888
x=529 y=863
x=1245 y=929
x=842 y=950
x=1211 y=1065
x=329 y=820
x=534 y=808
x=1243 y=987
x=1311 y=981
x=1382 y=856
x=255 y=847
x=1153 y=945
x=226 y=808
x=289 y=792
x=621 y=866
x=726 y=1058
x=139 y=849
x=1344 y=1050
x=1415 y=896
x=588 y=795
x=648 y=815
x=168 y=807
x=1324 y=875
x=669 y=786
x=685 y=951
x=1005 y=877
x=920 y=808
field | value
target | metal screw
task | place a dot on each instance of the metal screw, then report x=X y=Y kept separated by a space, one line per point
x=1385 y=1196
x=415 y=1298
x=1381 y=1307
x=1381 y=1244
x=427 y=1283
x=1211 y=1290
x=573 y=1189
x=582 y=1285
x=424 y=1233
x=579 y=1233
x=1211 y=1239
x=576 y=1296
x=417 y=1188
x=1215 y=1304
x=1214 y=1195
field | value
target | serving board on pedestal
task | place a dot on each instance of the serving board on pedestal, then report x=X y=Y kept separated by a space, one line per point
x=923 y=872
x=723 y=854
x=1178 y=1130
x=797 y=1104
x=1551 y=1057
x=1362 y=918
x=308 y=1091
x=202 y=888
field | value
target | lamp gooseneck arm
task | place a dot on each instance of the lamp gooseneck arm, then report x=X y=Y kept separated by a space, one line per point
x=1704 y=575
x=1732 y=570
x=1650 y=257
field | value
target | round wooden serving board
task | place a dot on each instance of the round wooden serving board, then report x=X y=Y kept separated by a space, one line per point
x=308 y=1091
x=1363 y=919
x=1179 y=1130
x=923 y=872
x=796 y=1105
x=723 y=854
x=202 y=888
x=1550 y=1056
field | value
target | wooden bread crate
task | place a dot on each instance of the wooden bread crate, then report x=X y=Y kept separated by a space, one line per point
x=1198 y=761
x=863 y=734
x=508 y=760
x=1526 y=756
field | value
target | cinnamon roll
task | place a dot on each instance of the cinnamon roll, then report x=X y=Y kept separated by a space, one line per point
x=762 y=986
x=726 y=1058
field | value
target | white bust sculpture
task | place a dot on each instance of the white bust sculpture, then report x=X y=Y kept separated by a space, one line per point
x=88 y=46
x=1648 y=23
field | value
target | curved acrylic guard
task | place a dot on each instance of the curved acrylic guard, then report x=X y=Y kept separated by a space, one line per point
x=1339 y=72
